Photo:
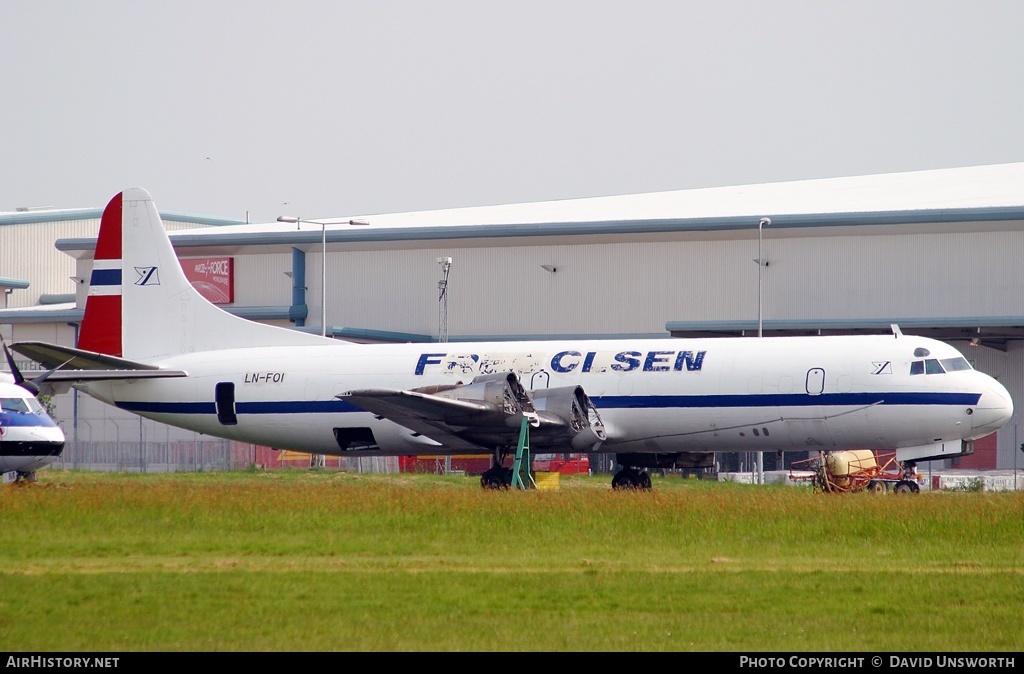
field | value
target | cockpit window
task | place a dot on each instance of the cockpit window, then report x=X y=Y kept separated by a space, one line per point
x=955 y=364
x=933 y=366
x=19 y=405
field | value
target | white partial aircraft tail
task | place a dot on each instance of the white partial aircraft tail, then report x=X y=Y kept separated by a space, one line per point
x=141 y=306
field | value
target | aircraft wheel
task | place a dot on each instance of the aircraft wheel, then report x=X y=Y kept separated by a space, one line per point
x=496 y=478
x=630 y=478
x=624 y=479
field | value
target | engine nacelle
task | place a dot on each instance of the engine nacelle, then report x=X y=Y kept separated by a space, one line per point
x=502 y=392
x=568 y=417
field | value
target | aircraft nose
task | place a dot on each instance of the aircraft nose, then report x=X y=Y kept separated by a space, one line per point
x=993 y=410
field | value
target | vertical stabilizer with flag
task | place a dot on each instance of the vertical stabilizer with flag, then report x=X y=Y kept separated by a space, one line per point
x=141 y=306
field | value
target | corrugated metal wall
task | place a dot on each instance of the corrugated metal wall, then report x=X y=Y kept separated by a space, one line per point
x=599 y=289
x=26 y=255
x=27 y=252
x=637 y=287
x=926 y=275
x=260 y=280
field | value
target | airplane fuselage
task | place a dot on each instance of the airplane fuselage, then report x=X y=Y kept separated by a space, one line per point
x=29 y=437
x=653 y=396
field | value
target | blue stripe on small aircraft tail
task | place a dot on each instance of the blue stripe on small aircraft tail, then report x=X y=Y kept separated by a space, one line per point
x=105 y=277
x=601 y=402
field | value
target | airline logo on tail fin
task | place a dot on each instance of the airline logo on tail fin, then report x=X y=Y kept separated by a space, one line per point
x=148 y=276
x=101 y=326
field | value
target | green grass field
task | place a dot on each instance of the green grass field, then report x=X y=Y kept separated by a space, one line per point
x=330 y=561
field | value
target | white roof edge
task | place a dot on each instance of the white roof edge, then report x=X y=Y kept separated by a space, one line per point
x=986 y=186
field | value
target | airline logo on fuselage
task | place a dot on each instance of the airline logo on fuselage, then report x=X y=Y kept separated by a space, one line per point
x=563 y=362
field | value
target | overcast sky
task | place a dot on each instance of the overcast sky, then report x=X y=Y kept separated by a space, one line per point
x=321 y=108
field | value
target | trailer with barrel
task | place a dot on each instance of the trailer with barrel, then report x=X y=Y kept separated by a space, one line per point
x=856 y=470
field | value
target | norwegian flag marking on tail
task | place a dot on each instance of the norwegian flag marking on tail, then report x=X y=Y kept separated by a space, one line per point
x=101 y=326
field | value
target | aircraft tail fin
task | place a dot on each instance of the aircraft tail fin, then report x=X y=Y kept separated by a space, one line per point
x=141 y=306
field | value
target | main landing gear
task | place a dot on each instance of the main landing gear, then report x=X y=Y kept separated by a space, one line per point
x=496 y=477
x=25 y=477
x=631 y=478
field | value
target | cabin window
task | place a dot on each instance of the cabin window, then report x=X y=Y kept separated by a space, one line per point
x=225 y=401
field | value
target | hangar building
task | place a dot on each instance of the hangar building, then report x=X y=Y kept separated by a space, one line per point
x=935 y=252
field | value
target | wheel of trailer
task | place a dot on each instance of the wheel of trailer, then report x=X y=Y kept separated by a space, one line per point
x=877 y=486
x=644 y=480
x=906 y=487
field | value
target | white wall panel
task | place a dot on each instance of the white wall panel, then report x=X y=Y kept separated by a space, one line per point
x=596 y=288
x=27 y=252
x=260 y=280
x=928 y=275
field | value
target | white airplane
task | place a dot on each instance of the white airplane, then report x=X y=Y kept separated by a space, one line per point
x=29 y=437
x=152 y=345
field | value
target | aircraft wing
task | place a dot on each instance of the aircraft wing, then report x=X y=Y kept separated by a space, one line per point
x=68 y=364
x=443 y=420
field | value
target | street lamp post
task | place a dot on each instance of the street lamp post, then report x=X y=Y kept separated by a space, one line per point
x=323 y=262
x=763 y=222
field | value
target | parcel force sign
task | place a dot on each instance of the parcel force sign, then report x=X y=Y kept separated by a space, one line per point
x=213 y=277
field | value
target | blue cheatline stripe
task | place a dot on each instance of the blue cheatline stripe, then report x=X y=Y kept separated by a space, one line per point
x=105 y=277
x=264 y=407
x=601 y=402
x=787 y=400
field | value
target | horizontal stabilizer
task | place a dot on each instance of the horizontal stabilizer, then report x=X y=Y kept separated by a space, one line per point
x=70 y=364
